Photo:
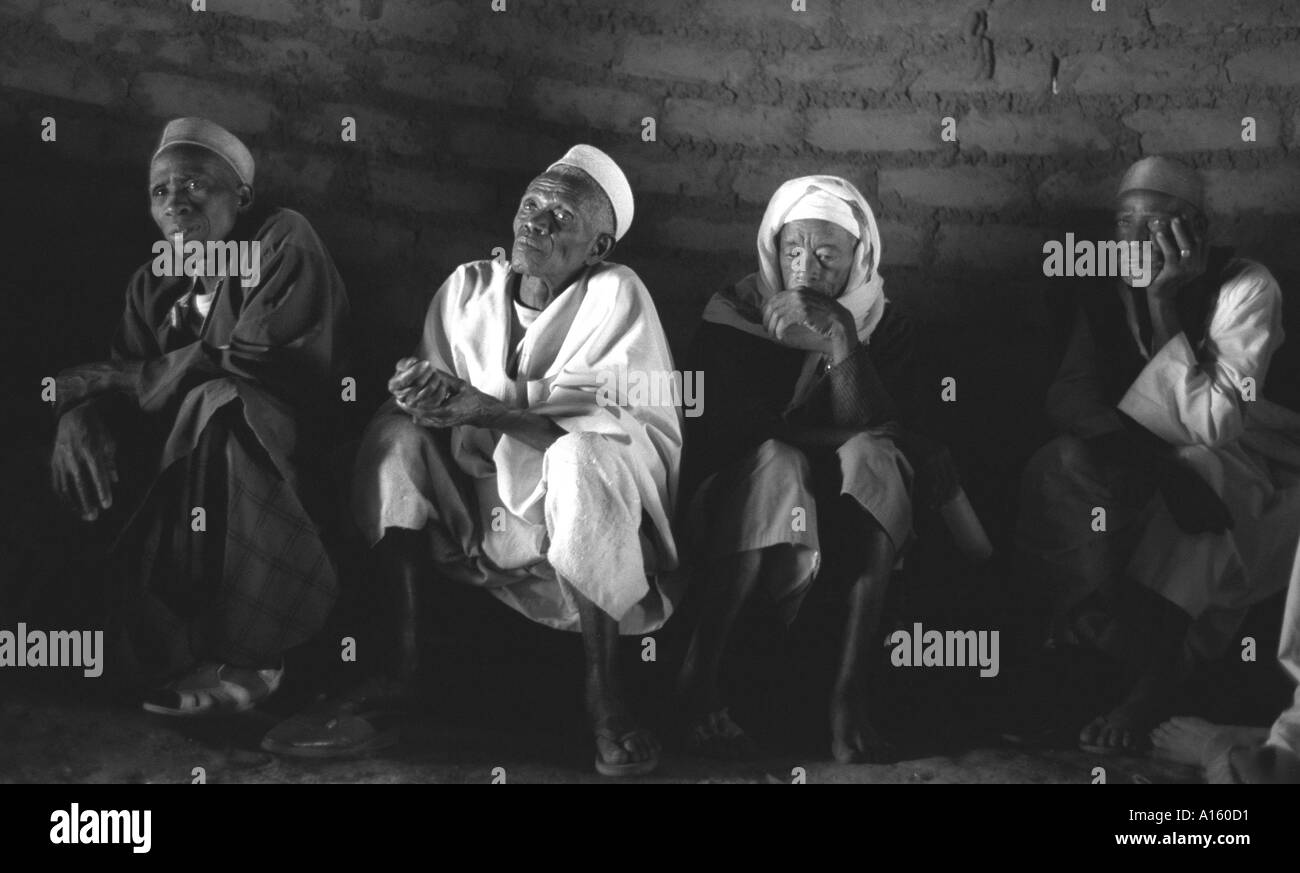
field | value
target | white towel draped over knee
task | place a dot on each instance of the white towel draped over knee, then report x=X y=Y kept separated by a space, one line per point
x=595 y=506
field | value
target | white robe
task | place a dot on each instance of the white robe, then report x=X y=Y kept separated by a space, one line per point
x=1248 y=450
x=1278 y=758
x=599 y=336
x=1285 y=733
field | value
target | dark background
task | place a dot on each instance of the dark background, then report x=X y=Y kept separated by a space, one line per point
x=457 y=107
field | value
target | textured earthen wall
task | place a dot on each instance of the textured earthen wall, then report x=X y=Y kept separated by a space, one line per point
x=457 y=106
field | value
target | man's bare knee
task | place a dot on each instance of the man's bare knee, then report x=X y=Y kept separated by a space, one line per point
x=1064 y=454
x=783 y=457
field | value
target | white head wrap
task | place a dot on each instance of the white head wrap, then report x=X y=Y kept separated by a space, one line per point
x=609 y=176
x=817 y=204
x=829 y=198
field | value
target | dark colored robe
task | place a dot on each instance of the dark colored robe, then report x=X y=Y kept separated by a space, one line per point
x=232 y=420
x=750 y=381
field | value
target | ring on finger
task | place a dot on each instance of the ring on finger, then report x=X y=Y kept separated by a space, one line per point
x=1186 y=253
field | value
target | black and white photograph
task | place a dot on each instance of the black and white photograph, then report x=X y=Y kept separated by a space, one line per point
x=858 y=392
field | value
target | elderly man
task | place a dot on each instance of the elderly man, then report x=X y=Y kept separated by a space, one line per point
x=1171 y=501
x=190 y=437
x=804 y=452
x=504 y=461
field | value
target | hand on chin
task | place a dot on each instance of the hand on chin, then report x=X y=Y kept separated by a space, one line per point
x=800 y=336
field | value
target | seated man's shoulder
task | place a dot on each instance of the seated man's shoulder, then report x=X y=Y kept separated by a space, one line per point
x=284 y=226
x=612 y=272
x=1246 y=278
x=618 y=283
x=473 y=278
x=899 y=317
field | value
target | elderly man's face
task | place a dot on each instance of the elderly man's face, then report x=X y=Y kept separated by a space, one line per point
x=194 y=192
x=1139 y=213
x=556 y=232
x=816 y=255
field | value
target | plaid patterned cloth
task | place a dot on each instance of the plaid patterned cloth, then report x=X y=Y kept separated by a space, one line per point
x=256 y=582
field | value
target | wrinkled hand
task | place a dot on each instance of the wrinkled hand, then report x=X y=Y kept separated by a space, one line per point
x=1175 y=237
x=806 y=320
x=83 y=466
x=419 y=387
x=1192 y=502
x=435 y=398
x=75 y=384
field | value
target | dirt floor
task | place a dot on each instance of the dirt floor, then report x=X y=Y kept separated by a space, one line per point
x=500 y=692
x=57 y=740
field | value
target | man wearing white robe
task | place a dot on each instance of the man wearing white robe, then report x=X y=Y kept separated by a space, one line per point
x=1241 y=754
x=507 y=458
x=1164 y=426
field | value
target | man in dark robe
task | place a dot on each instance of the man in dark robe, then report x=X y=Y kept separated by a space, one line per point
x=803 y=453
x=193 y=439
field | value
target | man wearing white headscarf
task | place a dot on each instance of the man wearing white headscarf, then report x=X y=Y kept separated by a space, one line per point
x=1160 y=401
x=798 y=450
x=510 y=458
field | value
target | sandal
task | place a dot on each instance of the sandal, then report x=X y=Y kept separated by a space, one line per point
x=211 y=689
x=631 y=768
x=334 y=728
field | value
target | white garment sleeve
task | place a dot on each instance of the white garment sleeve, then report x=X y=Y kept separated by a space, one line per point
x=1187 y=401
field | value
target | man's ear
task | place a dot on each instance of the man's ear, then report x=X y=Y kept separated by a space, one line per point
x=245 y=193
x=600 y=249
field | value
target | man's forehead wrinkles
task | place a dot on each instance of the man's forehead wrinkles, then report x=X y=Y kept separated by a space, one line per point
x=165 y=174
x=558 y=188
x=814 y=238
x=186 y=166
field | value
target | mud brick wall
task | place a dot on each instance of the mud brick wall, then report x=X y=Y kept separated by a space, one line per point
x=458 y=105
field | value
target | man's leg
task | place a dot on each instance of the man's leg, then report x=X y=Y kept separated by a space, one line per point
x=726 y=584
x=1062 y=559
x=1160 y=667
x=593 y=519
x=363 y=717
x=405 y=496
x=742 y=522
x=853 y=737
x=400 y=556
x=620 y=742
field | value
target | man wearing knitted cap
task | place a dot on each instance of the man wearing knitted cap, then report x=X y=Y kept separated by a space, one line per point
x=1165 y=428
x=503 y=460
x=191 y=439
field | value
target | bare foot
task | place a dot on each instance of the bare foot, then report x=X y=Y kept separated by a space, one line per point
x=854 y=740
x=1123 y=729
x=716 y=735
x=1188 y=740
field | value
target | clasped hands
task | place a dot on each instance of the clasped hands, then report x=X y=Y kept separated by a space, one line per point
x=436 y=398
x=803 y=319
